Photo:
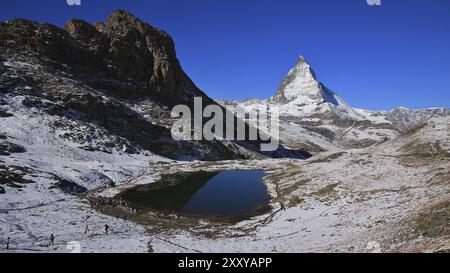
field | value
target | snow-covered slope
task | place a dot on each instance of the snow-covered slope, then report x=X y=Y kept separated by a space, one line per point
x=395 y=194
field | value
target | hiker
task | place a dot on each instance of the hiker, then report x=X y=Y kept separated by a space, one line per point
x=106 y=229
x=52 y=239
x=7 y=243
x=86 y=230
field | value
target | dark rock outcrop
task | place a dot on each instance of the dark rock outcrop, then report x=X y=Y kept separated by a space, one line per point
x=68 y=187
x=123 y=48
x=7 y=148
x=4 y=114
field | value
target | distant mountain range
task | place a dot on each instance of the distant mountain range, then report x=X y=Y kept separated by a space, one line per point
x=316 y=119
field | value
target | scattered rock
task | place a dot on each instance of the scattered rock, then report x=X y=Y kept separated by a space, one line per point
x=13 y=176
x=5 y=114
x=8 y=148
x=68 y=187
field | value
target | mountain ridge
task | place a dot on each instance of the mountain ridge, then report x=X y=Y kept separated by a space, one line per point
x=277 y=98
x=123 y=48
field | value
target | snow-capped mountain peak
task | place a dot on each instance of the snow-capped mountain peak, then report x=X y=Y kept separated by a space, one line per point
x=301 y=87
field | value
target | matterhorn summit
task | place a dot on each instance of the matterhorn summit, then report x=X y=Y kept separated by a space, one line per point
x=314 y=118
x=301 y=87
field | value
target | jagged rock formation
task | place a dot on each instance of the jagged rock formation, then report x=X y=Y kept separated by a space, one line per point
x=122 y=49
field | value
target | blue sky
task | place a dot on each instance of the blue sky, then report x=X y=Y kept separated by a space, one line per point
x=397 y=54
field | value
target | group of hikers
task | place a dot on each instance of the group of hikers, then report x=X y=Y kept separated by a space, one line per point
x=87 y=230
x=95 y=203
x=52 y=236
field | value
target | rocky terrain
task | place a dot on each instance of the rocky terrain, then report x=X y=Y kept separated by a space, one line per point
x=85 y=114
